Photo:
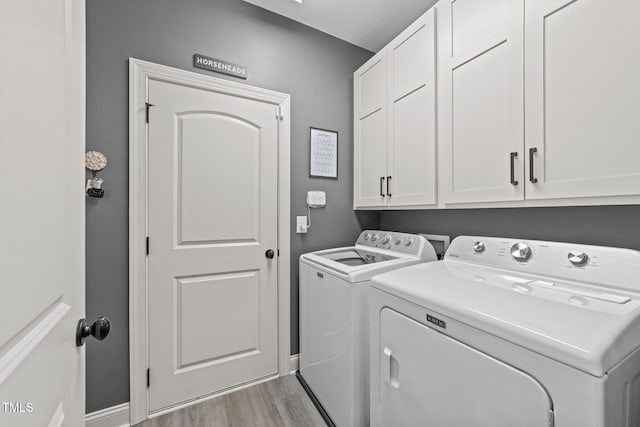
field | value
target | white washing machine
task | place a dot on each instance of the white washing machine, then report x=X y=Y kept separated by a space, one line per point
x=508 y=333
x=334 y=345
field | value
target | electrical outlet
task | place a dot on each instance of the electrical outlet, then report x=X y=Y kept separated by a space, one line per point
x=301 y=224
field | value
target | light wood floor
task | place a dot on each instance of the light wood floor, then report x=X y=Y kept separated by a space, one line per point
x=279 y=403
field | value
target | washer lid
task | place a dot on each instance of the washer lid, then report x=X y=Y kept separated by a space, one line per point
x=343 y=261
x=582 y=325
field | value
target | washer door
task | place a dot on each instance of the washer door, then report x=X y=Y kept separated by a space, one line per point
x=429 y=379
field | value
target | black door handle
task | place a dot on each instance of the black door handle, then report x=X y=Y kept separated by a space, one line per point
x=270 y=253
x=98 y=329
x=381 y=186
x=388 y=182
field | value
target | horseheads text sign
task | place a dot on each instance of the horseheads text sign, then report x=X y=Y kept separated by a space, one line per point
x=219 y=66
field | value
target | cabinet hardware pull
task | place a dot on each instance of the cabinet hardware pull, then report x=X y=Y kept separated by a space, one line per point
x=388 y=182
x=381 y=186
x=513 y=179
x=532 y=177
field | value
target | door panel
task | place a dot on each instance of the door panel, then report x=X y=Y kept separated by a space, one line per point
x=583 y=98
x=372 y=87
x=371 y=160
x=412 y=122
x=370 y=131
x=202 y=301
x=212 y=216
x=476 y=25
x=202 y=138
x=427 y=378
x=480 y=106
x=481 y=62
x=42 y=216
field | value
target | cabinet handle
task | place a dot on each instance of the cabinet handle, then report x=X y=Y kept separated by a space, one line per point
x=513 y=179
x=532 y=177
x=382 y=186
x=388 y=182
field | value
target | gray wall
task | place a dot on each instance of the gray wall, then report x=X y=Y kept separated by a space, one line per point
x=595 y=225
x=282 y=55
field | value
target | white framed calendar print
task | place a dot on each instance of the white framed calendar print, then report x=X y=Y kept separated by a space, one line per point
x=323 y=157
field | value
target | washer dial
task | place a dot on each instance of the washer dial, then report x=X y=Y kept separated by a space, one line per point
x=578 y=258
x=521 y=252
x=479 y=247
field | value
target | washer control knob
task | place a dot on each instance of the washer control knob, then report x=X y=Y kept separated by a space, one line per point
x=374 y=237
x=367 y=236
x=398 y=241
x=521 y=252
x=479 y=247
x=578 y=258
x=408 y=241
x=386 y=239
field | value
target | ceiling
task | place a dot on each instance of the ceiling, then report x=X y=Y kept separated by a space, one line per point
x=370 y=24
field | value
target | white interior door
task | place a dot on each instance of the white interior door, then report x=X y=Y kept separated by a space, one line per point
x=412 y=119
x=429 y=379
x=370 y=132
x=212 y=291
x=42 y=215
x=482 y=101
x=583 y=98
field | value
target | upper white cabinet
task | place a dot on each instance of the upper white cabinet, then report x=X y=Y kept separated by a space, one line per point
x=395 y=122
x=482 y=100
x=534 y=103
x=412 y=161
x=370 y=132
x=582 y=98
x=539 y=102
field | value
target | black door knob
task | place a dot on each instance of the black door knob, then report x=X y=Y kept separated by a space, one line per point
x=270 y=254
x=98 y=329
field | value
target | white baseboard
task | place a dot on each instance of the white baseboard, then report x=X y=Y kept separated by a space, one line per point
x=295 y=363
x=115 y=416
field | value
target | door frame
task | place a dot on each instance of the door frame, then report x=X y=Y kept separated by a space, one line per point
x=140 y=73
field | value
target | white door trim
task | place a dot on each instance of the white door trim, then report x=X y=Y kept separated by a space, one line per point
x=140 y=72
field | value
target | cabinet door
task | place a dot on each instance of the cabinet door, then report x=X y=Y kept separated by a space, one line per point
x=482 y=105
x=412 y=115
x=583 y=98
x=370 y=133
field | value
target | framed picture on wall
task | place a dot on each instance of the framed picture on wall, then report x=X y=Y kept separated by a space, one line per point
x=323 y=153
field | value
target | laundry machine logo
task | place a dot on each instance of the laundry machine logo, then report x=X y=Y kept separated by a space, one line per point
x=440 y=323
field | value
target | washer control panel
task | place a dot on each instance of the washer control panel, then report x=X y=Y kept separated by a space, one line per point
x=399 y=242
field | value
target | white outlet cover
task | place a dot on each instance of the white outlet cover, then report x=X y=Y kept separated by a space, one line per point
x=301 y=224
